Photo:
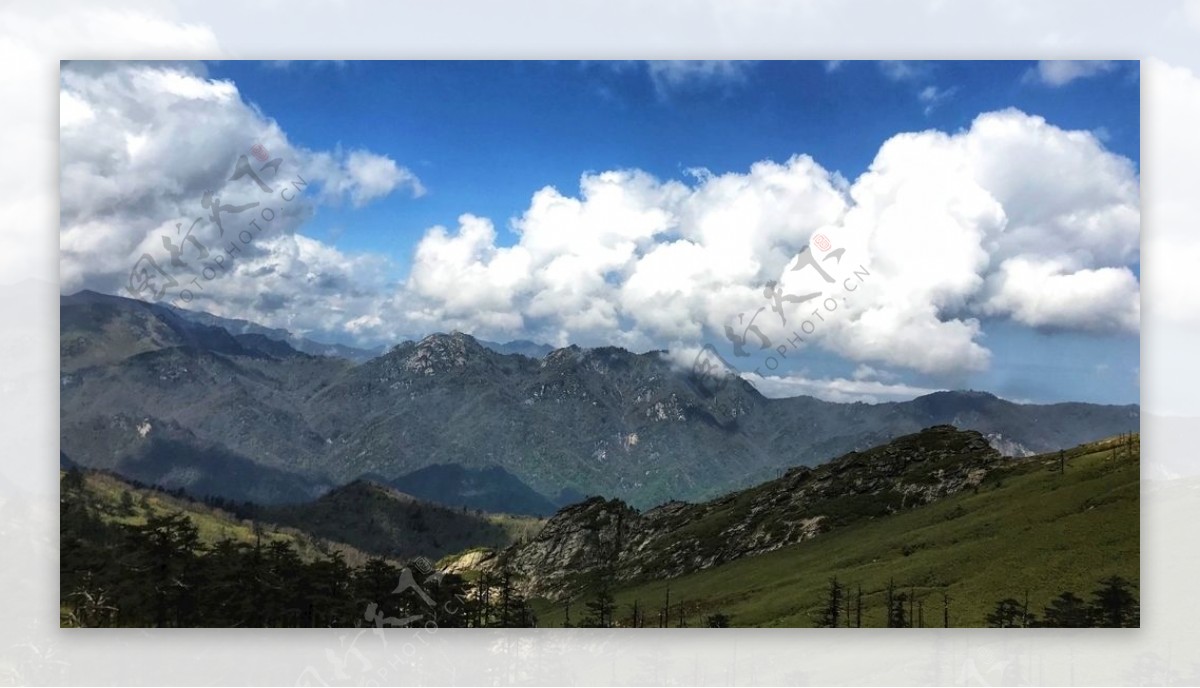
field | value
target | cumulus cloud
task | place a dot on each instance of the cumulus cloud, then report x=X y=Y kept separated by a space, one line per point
x=1063 y=72
x=1011 y=218
x=1042 y=294
x=149 y=165
x=362 y=176
x=27 y=203
x=633 y=259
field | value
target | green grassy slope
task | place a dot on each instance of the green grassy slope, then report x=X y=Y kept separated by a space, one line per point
x=213 y=525
x=360 y=521
x=381 y=520
x=1027 y=530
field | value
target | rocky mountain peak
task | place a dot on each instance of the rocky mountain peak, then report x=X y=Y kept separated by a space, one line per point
x=564 y=356
x=439 y=353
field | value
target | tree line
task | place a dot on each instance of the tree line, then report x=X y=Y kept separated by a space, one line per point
x=160 y=573
x=1112 y=604
x=601 y=610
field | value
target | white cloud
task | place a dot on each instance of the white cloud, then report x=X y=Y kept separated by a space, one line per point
x=932 y=96
x=902 y=70
x=30 y=35
x=943 y=221
x=954 y=227
x=633 y=258
x=836 y=389
x=1043 y=294
x=672 y=75
x=362 y=176
x=142 y=144
x=920 y=74
x=1063 y=72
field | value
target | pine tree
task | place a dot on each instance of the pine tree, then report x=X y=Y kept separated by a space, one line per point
x=1006 y=614
x=600 y=609
x=664 y=617
x=898 y=614
x=1067 y=611
x=717 y=620
x=890 y=601
x=483 y=600
x=126 y=507
x=1114 y=605
x=831 y=613
x=163 y=557
x=72 y=482
x=514 y=611
x=858 y=608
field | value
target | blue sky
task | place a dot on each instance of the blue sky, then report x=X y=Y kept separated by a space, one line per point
x=483 y=136
x=1036 y=296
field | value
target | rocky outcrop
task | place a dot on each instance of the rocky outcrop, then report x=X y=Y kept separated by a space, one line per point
x=608 y=538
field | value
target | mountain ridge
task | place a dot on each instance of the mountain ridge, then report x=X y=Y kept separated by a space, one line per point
x=580 y=421
x=608 y=538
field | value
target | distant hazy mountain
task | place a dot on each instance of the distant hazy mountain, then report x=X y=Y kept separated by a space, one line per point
x=576 y=422
x=301 y=344
x=98 y=329
x=491 y=489
x=238 y=328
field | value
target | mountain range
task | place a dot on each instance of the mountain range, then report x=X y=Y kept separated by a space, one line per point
x=179 y=399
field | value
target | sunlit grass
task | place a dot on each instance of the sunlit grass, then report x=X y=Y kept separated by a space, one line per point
x=1027 y=530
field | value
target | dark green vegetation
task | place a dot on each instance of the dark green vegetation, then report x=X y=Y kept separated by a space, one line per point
x=1113 y=604
x=361 y=517
x=161 y=398
x=975 y=539
x=383 y=521
x=491 y=489
x=141 y=557
x=1028 y=533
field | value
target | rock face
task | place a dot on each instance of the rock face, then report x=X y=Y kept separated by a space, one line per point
x=608 y=538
